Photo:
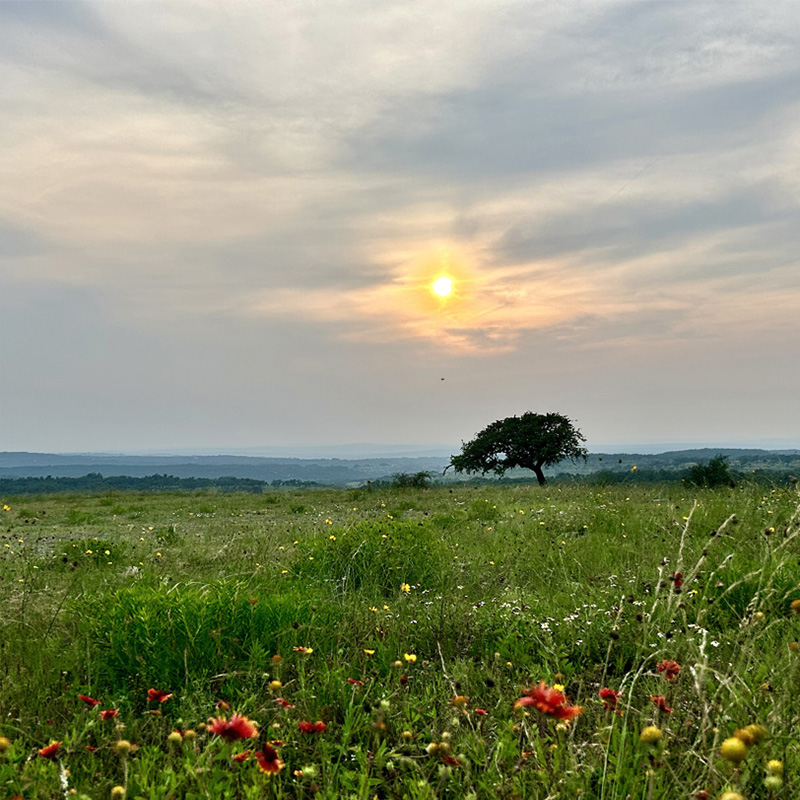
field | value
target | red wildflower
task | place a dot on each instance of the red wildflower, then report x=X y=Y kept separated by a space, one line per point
x=285 y=703
x=355 y=682
x=90 y=748
x=453 y=762
x=677 y=579
x=51 y=751
x=549 y=701
x=241 y=756
x=661 y=703
x=109 y=713
x=223 y=705
x=268 y=759
x=669 y=668
x=303 y=649
x=90 y=701
x=609 y=698
x=312 y=727
x=404 y=679
x=156 y=694
x=481 y=711
x=237 y=727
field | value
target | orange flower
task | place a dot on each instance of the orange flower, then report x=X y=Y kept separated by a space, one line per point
x=237 y=727
x=312 y=727
x=661 y=703
x=355 y=682
x=609 y=697
x=268 y=760
x=481 y=712
x=548 y=701
x=669 y=667
x=51 y=751
x=90 y=701
x=109 y=713
x=283 y=703
x=156 y=694
x=241 y=756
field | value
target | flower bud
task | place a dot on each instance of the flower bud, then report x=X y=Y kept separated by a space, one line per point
x=651 y=734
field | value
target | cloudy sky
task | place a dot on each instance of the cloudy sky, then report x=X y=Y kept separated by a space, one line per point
x=220 y=222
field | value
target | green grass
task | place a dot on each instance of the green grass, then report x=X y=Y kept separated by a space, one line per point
x=420 y=596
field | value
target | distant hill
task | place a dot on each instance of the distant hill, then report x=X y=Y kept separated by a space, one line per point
x=357 y=471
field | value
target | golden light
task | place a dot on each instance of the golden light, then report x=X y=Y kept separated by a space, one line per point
x=443 y=286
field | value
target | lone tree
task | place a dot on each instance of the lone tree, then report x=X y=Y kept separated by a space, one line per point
x=531 y=441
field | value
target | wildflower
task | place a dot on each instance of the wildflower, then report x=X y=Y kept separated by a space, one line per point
x=117 y=793
x=237 y=727
x=481 y=712
x=283 y=703
x=176 y=737
x=5 y=743
x=775 y=767
x=548 y=701
x=733 y=749
x=669 y=668
x=155 y=694
x=453 y=762
x=406 y=736
x=306 y=650
x=410 y=657
x=109 y=713
x=51 y=751
x=90 y=701
x=369 y=652
x=677 y=579
x=239 y=757
x=276 y=658
x=189 y=734
x=405 y=588
x=268 y=759
x=459 y=701
x=355 y=682
x=795 y=606
x=223 y=705
x=745 y=736
x=404 y=679
x=275 y=686
x=312 y=727
x=758 y=732
x=609 y=697
x=651 y=734
x=122 y=747
x=660 y=703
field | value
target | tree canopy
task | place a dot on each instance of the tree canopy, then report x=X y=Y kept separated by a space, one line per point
x=531 y=441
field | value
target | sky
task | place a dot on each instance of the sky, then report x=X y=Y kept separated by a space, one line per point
x=220 y=223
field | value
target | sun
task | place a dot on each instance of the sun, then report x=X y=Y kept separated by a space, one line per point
x=443 y=286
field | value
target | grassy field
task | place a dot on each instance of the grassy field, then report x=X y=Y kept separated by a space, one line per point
x=404 y=627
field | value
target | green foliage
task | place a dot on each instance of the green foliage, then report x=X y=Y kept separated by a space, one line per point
x=404 y=480
x=373 y=559
x=715 y=473
x=530 y=441
x=487 y=589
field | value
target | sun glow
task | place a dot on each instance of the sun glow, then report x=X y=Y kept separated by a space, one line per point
x=443 y=286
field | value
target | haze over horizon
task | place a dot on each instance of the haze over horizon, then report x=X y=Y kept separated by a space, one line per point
x=222 y=224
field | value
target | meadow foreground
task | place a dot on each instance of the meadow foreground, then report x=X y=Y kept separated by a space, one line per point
x=484 y=641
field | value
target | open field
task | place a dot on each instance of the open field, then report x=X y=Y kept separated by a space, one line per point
x=410 y=623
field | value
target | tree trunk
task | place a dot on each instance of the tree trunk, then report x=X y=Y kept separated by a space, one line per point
x=537 y=468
